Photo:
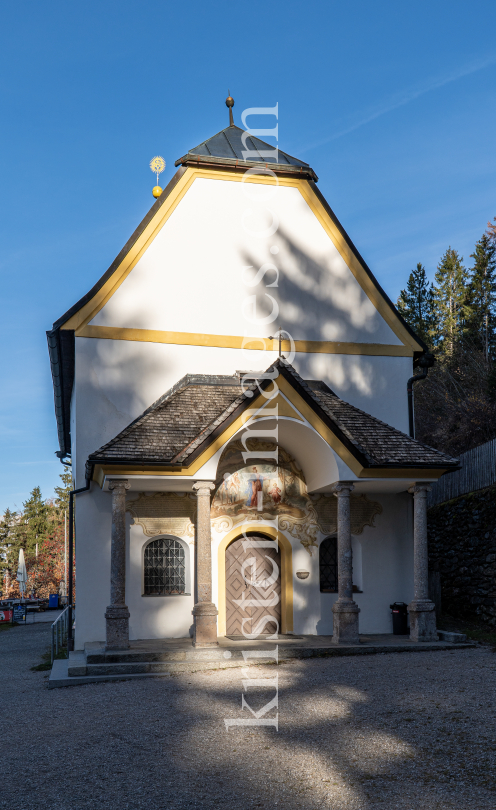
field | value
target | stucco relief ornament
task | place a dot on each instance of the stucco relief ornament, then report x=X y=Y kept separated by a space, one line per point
x=306 y=532
x=165 y=513
x=362 y=512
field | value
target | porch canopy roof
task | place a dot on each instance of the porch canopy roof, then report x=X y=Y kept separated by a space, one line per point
x=192 y=420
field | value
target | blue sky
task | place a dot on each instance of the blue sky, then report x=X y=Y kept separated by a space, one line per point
x=392 y=104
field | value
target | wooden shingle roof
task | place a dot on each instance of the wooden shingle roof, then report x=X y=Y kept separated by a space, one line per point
x=184 y=420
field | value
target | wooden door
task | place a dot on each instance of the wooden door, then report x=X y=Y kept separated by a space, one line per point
x=253 y=618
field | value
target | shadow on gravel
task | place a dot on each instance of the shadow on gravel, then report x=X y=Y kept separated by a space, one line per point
x=401 y=732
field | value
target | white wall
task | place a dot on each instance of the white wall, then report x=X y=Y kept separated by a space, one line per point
x=151 y=616
x=93 y=531
x=117 y=379
x=192 y=278
x=385 y=573
x=156 y=616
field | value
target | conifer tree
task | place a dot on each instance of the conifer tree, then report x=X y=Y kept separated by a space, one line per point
x=451 y=304
x=481 y=324
x=7 y=538
x=491 y=231
x=416 y=304
x=62 y=493
x=35 y=523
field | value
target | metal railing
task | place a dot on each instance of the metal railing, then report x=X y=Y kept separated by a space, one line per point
x=60 y=631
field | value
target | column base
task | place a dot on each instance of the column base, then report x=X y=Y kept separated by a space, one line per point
x=422 y=620
x=345 y=623
x=205 y=626
x=117 y=620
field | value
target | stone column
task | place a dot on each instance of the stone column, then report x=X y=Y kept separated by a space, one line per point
x=117 y=615
x=345 y=610
x=204 y=612
x=421 y=609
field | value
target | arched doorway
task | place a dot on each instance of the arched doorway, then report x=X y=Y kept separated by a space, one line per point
x=262 y=566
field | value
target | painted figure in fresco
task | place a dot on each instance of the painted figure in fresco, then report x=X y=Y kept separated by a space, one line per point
x=234 y=484
x=255 y=485
x=275 y=492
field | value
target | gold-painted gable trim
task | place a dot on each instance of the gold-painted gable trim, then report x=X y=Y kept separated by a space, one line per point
x=92 y=307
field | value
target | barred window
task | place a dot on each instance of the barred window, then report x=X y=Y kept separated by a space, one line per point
x=328 y=564
x=164 y=566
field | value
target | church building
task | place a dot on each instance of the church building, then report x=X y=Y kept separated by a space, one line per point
x=232 y=396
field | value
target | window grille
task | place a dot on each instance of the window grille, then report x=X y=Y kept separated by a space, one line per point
x=165 y=571
x=328 y=564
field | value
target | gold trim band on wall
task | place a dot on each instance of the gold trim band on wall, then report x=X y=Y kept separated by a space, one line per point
x=246 y=343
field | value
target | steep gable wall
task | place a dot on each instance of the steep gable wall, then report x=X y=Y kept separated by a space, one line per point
x=194 y=276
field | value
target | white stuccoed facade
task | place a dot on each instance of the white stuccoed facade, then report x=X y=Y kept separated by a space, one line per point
x=193 y=278
x=227 y=256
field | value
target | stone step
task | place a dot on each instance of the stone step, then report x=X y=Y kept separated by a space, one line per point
x=101 y=664
x=454 y=638
x=149 y=656
x=150 y=668
x=77 y=671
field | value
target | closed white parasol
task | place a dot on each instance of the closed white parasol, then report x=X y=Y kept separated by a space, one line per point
x=22 y=574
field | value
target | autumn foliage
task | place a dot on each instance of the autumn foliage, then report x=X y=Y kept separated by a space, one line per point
x=39 y=529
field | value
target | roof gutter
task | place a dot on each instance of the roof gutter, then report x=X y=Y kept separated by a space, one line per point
x=243 y=165
x=63 y=380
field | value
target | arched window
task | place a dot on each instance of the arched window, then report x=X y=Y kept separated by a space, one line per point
x=164 y=567
x=328 y=565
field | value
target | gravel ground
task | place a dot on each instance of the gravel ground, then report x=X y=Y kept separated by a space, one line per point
x=409 y=731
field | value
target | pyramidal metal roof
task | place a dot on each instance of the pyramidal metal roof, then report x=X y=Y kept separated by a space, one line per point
x=228 y=147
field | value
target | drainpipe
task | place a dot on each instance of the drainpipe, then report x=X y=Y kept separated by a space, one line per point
x=72 y=495
x=426 y=362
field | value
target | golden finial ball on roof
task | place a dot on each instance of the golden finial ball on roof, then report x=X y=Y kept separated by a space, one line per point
x=230 y=105
x=157 y=165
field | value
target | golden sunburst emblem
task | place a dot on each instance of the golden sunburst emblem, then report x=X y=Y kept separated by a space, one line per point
x=157 y=165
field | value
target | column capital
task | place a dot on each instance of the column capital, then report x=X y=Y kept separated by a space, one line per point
x=420 y=487
x=342 y=488
x=118 y=483
x=208 y=486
